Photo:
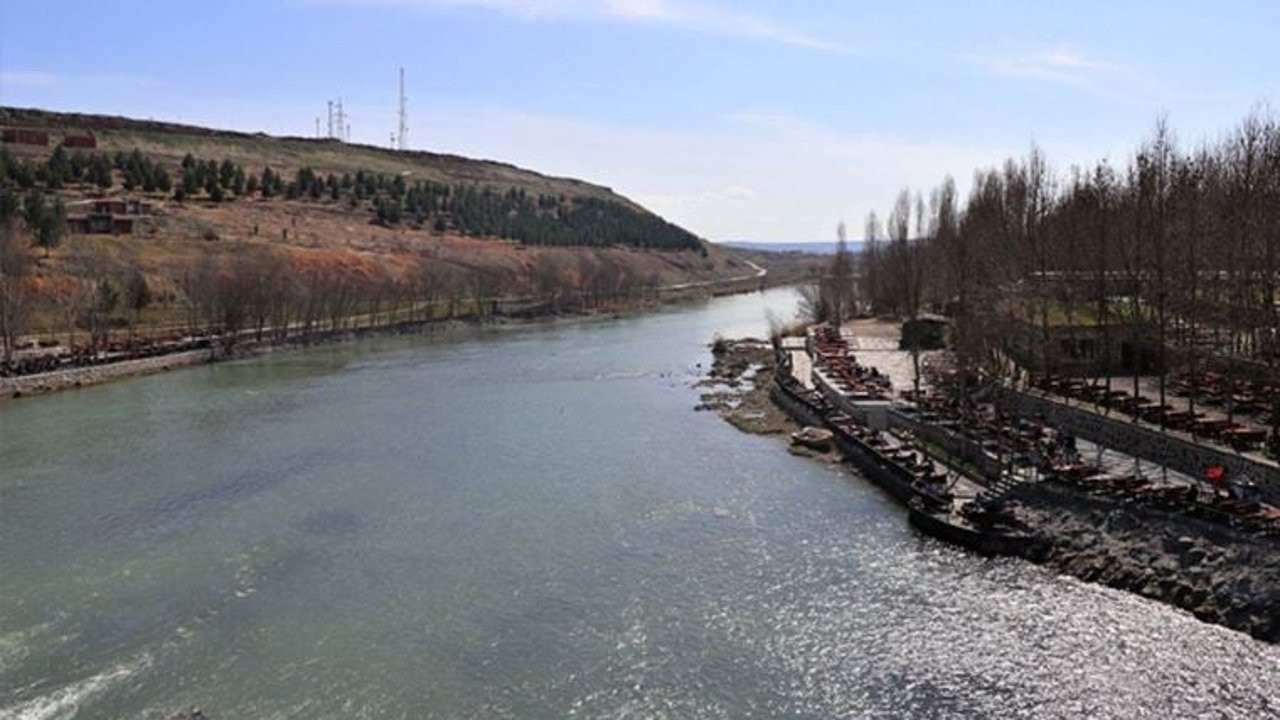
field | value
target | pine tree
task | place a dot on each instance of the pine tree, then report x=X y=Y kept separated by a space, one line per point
x=227 y=174
x=105 y=178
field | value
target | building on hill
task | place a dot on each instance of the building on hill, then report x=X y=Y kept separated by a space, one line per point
x=107 y=216
x=85 y=142
x=926 y=332
x=121 y=206
x=1081 y=348
x=24 y=136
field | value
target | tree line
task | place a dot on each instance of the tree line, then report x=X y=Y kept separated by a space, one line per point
x=1172 y=254
x=258 y=292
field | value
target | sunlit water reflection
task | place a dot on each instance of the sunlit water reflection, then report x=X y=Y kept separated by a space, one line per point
x=525 y=523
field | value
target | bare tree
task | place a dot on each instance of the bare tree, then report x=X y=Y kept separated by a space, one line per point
x=838 y=286
x=15 y=286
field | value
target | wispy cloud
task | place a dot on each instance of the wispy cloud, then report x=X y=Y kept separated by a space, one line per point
x=45 y=79
x=26 y=78
x=683 y=201
x=1062 y=64
x=696 y=16
x=755 y=175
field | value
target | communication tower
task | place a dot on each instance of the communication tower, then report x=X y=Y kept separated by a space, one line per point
x=339 y=123
x=402 y=141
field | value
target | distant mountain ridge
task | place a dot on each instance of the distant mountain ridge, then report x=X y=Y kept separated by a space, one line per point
x=812 y=248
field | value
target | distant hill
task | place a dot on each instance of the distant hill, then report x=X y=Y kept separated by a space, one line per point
x=221 y=226
x=173 y=140
x=475 y=197
x=812 y=248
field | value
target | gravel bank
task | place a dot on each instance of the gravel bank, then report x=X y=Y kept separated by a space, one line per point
x=737 y=387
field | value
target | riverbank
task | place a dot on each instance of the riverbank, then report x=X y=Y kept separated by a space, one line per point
x=737 y=387
x=42 y=383
x=1223 y=573
x=1217 y=573
x=22 y=386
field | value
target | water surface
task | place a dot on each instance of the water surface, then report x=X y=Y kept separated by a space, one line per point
x=525 y=523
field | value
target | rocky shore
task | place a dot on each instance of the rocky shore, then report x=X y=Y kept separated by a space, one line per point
x=737 y=389
x=1219 y=574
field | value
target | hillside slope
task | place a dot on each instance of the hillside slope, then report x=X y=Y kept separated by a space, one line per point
x=172 y=141
x=321 y=231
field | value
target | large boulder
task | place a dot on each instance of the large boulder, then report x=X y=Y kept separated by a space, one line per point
x=812 y=438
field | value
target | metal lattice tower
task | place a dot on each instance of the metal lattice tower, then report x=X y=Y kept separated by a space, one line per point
x=339 y=127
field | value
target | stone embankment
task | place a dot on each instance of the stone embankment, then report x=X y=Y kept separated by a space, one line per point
x=507 y=312
x=1219 y=574
x=11 y=387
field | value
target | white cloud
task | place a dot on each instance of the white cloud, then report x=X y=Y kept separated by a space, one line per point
x=756 y=176
x=689 y=15
x=1062 y=64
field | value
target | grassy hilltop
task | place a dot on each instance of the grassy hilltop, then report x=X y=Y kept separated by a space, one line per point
x=171 y=141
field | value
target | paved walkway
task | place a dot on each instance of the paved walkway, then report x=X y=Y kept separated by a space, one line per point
x=801 y=363
x=1149 y=387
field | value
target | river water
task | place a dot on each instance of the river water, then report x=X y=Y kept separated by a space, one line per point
x=525 y=523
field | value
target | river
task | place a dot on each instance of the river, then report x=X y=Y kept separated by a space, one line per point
x=526 y=522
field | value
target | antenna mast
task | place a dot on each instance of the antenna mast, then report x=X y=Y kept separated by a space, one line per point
x=339 y=122
x=401 y=139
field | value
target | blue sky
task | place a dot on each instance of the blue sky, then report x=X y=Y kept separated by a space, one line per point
x=743 y=120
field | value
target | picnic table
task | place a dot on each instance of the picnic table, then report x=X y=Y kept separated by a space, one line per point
x=1115 y=397
x=1244 y=402
x=1155 y=413
x=1243 y=438
x=1209 y=427
x=1133 y=405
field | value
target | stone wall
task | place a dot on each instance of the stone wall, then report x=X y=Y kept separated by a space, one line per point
x=1168 y=449
x=77 y=377
x=872 y=413
x=799 y=411
x=953 y=443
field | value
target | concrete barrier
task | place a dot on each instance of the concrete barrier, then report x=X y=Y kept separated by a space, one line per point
x=1166 y=448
